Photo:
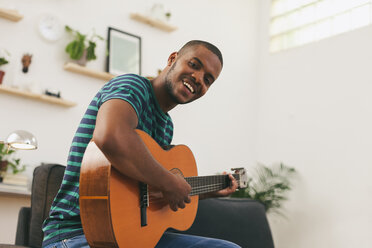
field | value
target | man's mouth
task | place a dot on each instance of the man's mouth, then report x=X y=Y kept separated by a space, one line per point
x=191 y=89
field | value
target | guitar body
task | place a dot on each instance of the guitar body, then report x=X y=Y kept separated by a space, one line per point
x=110 y=202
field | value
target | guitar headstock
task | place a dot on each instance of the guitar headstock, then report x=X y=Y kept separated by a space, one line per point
x=243 y=179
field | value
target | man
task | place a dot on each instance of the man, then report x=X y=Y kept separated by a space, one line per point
x=126 y=103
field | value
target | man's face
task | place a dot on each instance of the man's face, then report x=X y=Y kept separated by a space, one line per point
x=191 y=74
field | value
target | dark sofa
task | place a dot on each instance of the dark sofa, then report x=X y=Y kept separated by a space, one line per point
x=242 y=221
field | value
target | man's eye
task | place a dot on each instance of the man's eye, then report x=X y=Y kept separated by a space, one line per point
x=192 y=64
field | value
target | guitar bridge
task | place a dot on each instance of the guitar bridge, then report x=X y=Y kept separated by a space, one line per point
x=144 y=202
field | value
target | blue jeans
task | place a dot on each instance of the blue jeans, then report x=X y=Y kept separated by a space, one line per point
x=74 y=242
x=168 y=240
x=176 y=240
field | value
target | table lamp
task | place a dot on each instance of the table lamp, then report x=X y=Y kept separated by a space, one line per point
x=20 y=140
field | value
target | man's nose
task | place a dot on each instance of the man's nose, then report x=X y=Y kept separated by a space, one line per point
x=198 y=77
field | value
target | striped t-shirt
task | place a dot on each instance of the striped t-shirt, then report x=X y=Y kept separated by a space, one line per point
x=64 y=217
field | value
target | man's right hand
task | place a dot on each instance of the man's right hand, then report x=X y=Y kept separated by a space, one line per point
x=116 y=122
x=177 y=193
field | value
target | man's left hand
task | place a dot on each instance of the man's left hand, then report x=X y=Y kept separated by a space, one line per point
x=229 y=190
x=224 y=192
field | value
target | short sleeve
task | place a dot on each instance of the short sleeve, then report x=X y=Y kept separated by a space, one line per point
x=130 y=88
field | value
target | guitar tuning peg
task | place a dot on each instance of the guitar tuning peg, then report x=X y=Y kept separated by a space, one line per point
x=243 y=179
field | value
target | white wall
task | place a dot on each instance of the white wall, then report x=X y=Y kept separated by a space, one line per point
x=220 y=128
x=315 y=115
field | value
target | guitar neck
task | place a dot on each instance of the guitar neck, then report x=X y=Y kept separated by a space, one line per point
x=206 y=184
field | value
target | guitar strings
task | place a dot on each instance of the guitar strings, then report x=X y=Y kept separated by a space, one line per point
x=219 y=183
x=196 y=190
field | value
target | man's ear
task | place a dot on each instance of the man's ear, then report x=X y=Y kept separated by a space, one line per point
x=172 y=58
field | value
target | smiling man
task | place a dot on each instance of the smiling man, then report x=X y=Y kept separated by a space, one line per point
x=126 y=103
x=190 y=73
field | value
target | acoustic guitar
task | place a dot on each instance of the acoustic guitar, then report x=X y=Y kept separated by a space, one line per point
x=118 y=211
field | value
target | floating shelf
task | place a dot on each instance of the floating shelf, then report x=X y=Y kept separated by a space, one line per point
x=153 y=22
x=10 y=14
x=40 y=97
x=88 y=72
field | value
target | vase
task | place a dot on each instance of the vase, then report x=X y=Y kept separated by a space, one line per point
x=83 y=60
x=2 y=73
x=3 y=169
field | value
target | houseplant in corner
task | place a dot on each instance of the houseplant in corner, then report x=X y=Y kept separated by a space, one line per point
x=3 y=61
x=82 y=48
x=8 y=161
x=268 y=185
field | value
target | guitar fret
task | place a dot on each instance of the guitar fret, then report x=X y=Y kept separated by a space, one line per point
x=206 y=184
x=206 y=189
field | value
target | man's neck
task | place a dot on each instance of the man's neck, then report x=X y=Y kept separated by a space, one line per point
x=158 y=84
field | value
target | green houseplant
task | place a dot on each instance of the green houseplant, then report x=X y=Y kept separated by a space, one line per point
x=82 y=48
x=4 y=57
x=8 y=161
x=268 y=185
x=3 y=61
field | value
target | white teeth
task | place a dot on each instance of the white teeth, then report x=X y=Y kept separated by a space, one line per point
x=189 y=86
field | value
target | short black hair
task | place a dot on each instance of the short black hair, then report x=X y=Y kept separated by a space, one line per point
x=205 y=44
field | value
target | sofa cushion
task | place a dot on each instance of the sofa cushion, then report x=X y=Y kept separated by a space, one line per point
x=45 y=184
x=23 y=226
x=242 y=221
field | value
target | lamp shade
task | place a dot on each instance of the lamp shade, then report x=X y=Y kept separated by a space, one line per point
x=21 y=139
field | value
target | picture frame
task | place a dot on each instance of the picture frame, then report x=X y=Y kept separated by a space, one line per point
x=124 y=52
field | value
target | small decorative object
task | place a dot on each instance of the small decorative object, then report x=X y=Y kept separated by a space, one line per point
x=124 y=52
x=26 y=62
x=268 y=186
x=168 y=15
x=157 y=12
x=82 y=48
x=54 y=94
x=3 y=61
x=50 y=28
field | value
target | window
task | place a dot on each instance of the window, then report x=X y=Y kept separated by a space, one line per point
x=297 y=22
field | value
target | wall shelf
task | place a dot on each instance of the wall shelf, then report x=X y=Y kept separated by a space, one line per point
x=35 y=96
x=153 y=22
x=10 y=14
x=88 y=72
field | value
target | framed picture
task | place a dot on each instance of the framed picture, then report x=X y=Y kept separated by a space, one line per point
x=124 y=52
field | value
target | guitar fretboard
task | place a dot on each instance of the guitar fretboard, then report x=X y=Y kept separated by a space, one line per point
x=206 y=184
x=199 y=185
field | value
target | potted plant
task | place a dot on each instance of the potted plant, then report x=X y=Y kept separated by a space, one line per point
x=82 y=48
x=268 y=185
x=3 y=61
x=8 y=161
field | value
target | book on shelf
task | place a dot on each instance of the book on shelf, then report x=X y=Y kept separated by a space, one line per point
x=13 y=188
x=14 y=179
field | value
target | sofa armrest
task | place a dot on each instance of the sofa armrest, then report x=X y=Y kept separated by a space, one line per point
x=23 y=226
x=242 y=221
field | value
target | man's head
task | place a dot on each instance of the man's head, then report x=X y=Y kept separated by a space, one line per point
x=207 y=45
x=192 y=70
